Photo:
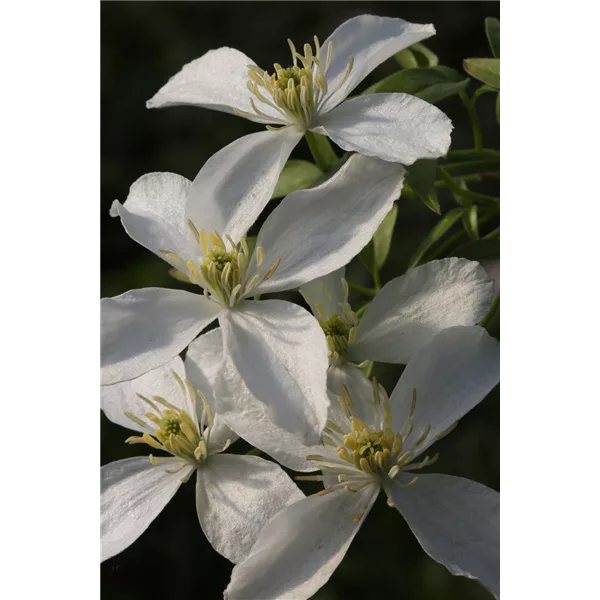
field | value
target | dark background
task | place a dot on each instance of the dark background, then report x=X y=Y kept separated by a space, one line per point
x=143 y=44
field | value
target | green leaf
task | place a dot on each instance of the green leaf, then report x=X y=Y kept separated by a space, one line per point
x=492 y=30
x=421 y=177
x=486 y=70
x=296 y=175
x=417 y=55
x=437 y=232
x=432 y=84
x=470 y=221
x=479 y=250
x=382 y=240
x=498 y=109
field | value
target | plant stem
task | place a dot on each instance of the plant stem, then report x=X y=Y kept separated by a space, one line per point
x=322 y=152
x=492 y=234
x=361 y=289
x=469 y=177
x=472 y=164
x=474 y=153
x=472 y=111
x=491 y=313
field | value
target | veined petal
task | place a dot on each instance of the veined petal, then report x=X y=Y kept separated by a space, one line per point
x=298 y=550
x=143 y=329
x=451 y=374
x=251 y=419
x=217 y=80
x=409 y=310
x=457 y=522
x=203 y=361
x=118 y=398
x=394 y=127
x=316 y=231
x=133 y=492
x=235 y=184
x=236 y=496
x=279 y=350
x=325 y=294
x=154 y=214
x=370 y=40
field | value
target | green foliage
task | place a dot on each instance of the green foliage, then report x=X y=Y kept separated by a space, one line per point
x=479 y=250
x=470 y=221
x=432 y=84
x=421 y=178
x=376 y=252
x=417 y=55
x=296 y=175
x=492 y=31
x=321 y=150
x=486 y=70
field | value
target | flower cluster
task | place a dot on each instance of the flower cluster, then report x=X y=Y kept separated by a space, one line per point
x=295 y=383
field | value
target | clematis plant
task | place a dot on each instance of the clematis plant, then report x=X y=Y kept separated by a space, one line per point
x=277 y=348
x=372 y=446
x=308 y=97
x=235 y=495
x=404 y=315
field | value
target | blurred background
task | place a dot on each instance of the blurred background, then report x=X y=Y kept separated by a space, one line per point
x=145 y=43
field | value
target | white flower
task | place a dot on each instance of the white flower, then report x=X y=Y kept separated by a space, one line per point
x=404 y=316
x=311 y=96
x=369 y=447
x=235 y=495
x=276 y=347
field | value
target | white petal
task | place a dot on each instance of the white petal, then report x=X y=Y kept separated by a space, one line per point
x=235 y=184
x=216 y=80
x=154 y=214
x=118 y=398
x=236 y=496
x=133 y=492
x=280 y=351
x=370 y=40
x=325 y=294
x=394 y=127
x=452 y=374
x=317 y=231
x=202 y=363
x=457 y=522
x=298 y=550
x=409 y=310
x=359 y=387
x=251 y=419
x=143 y=329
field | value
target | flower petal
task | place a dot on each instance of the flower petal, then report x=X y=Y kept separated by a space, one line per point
x=316 y=231
x=298 y=550
x=325 y=294
x=394 y=127
x=143 y=329
x=280 y=351
x=236 y=496
x=457 y=521
x=235 y=184
x=409 y=310
x=118 y=398
x=251 y=419
x=203 y=361
x=370 y=40
x=359 y=388
x=133 y=492
x=217 y=80
x=451 y=374
x=154 y=214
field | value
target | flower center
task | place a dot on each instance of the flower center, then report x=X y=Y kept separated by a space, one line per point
x=172 y=430
x=369 y=454
x=339 y=331
x=223 y=272
x=298 y=92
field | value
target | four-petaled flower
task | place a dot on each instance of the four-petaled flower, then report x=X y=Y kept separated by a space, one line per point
x=173 y=408
x=277 y=348
x=369 y=446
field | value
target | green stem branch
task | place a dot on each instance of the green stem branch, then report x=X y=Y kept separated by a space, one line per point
x=322 y=152
x=472 y=112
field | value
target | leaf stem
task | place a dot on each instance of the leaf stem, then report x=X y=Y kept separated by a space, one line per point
x=361 y=289
x=322 y=152
x=472 y=111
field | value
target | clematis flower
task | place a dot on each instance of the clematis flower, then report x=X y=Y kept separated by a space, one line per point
x=235 y=495
x=405 y=315
x=373 y=446
x=276 y=347
x=311 y=95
